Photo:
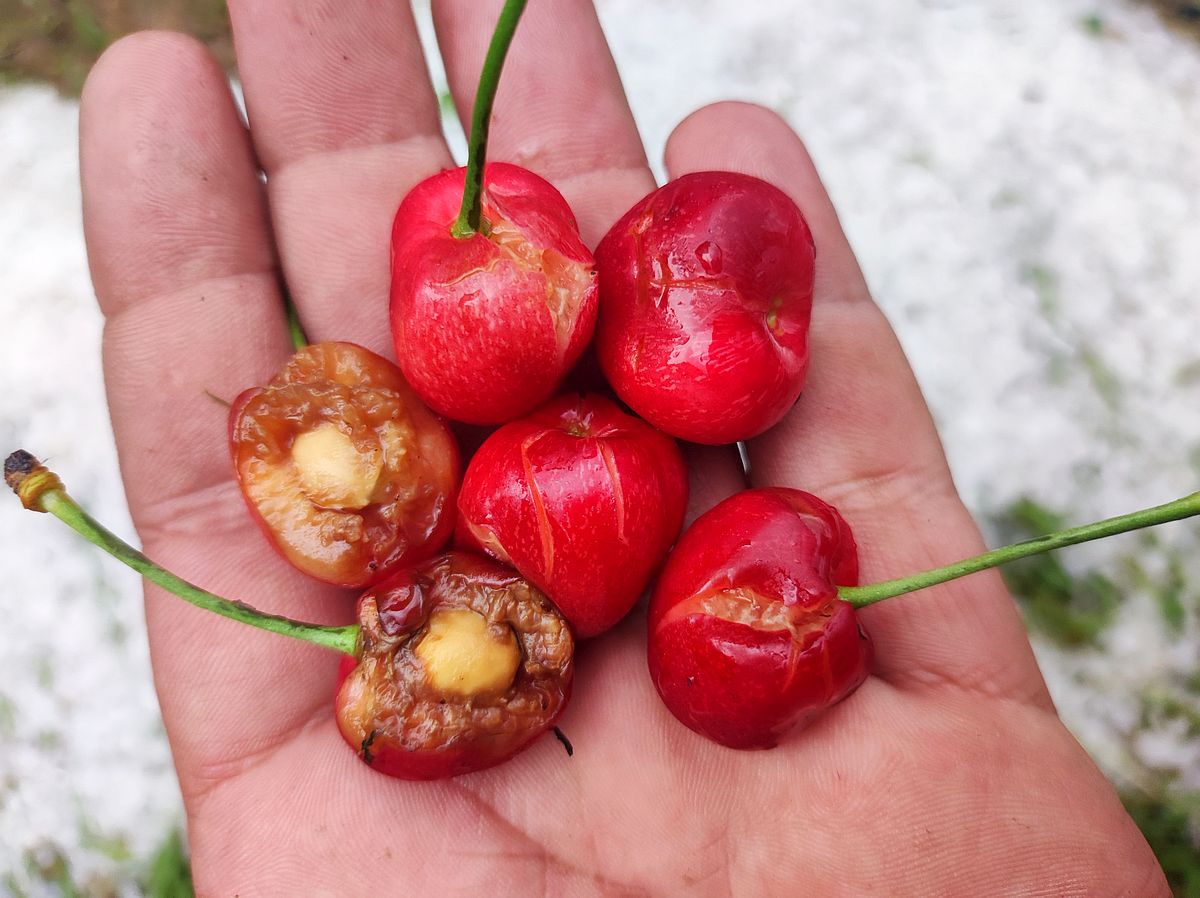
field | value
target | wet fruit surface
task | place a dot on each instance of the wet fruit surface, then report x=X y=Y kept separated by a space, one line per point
x=747 y=637
x=582 y=499
x=487 y=326
x=348 y=473
x=706 y=295
x=463 y=664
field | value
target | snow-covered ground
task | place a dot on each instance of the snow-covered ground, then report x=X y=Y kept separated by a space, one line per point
x=1022 y=182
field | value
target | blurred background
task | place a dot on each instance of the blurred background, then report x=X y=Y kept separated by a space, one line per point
x=1021 y=179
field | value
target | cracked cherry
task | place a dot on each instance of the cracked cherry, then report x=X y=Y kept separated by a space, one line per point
x=747 y=636
x=488 y=325
x=462 y=664
x=706 y=294
x=582 y=499
x=347 y=473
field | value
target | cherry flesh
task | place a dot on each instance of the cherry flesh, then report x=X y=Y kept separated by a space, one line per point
x=487 y=326
x=462 y=664
x=747 y=636
x=706 y=294
x=349 y=475
x=582 y=499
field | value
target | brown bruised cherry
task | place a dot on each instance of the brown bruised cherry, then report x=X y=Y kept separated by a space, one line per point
x=348 y=473
x=462 y=664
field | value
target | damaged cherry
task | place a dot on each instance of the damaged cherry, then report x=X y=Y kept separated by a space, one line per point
x=348 y=474
x=494 y=294
x=706 y=294
x=462 y=664
x=582 y=499
x=747 y=636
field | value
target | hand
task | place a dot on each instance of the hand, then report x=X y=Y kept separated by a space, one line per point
x=948 y=772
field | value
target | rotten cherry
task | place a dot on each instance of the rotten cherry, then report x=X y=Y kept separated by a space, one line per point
x=348 y=474
x=461 y=665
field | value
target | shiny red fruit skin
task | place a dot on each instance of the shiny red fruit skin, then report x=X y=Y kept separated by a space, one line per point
x=392 y=719
x=705 y=298
x=487 y=327
x=745 y=683
x=582 y=499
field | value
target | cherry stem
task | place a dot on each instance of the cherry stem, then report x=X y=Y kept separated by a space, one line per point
x=39 y=489
x=295 y=329
x=861 y=596
x=470 y=215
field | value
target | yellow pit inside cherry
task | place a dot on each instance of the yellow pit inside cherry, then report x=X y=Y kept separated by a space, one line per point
x=333 y=471
x=464 y=656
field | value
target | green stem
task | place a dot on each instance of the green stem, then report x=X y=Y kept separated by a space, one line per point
x=861 y=596
x=295 y=329
x=470 y=215
x=41 y=490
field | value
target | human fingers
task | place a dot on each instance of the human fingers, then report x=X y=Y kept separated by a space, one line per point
x=180 y=250
x=345 y=122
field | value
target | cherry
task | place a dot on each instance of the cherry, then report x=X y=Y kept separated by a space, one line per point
x=706 y=293
x=493 y=292
x=487 y=325
x=582 y=499
x=747 y=636
x=346 y=472
x=461 y=665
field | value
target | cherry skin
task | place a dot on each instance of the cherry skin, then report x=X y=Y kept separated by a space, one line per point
x=747 y=637
x=582 y=499
x=347 y=473
x=487 y=326
x=705 y=297
x=462 y=665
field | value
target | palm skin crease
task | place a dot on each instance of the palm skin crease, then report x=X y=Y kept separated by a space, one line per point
x=947 y=773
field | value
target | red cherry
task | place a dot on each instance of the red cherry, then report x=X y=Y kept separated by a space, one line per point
x=582 y=499
x=487 y=326
x=706 y=293
x=348 y=474
x=747 y=637
x=416 y=712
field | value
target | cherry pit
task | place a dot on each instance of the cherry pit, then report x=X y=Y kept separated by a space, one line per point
x=697 y=304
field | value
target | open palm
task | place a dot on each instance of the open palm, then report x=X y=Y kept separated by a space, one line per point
x=947 y=773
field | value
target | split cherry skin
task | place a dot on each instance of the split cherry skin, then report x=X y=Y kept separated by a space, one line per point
x=461 y=665
x=706 y=294
x=747 y=636
x=582 y=499
x=487 y=325
x=347 y=473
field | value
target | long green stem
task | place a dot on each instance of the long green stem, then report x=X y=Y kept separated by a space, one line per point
x=41 y=490
x=860 y=596
x=470 y=215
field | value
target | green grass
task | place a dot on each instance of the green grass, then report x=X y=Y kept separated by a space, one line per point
x=166 y=875
x=1166 y=820
x=170 y=875
x=1072 y=610
x=59 y=40
x=1093 y=25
